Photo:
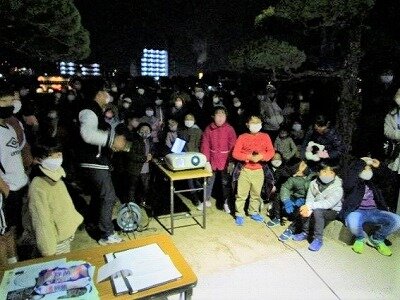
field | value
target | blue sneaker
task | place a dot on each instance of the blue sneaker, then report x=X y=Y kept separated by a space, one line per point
x=299 y=237
x=257 y=218
x=239 y=221
x=274 y=222
x=287 y=234
x=315 y=245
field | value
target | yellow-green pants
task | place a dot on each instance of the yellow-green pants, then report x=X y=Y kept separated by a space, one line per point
x=250 y=181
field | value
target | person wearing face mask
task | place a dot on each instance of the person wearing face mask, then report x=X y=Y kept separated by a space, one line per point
x=253 y=150
x=154 y=122
x=238 y=115
x=138 y=165
x=281 y=172
x=217 y=144
x=178 y=110
x=94 y=153
x=297 y=133
x=285 y=145
x=140 y=100
x=292 y=195
x=191 y=134
x=323 y=204
x=13 y=179
x=322 y=133
x=364 y=202
x=54 y=219
x=201 y=107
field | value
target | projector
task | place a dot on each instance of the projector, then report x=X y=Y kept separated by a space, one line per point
x=185 y=161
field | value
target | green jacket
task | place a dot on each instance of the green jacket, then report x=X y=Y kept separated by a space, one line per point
x=295 y=187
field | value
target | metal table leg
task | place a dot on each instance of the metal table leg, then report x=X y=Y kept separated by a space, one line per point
x=171 y=195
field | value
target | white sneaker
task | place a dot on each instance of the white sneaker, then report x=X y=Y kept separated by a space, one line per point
x=208 y=203
x=111 y=239
x=226 y=208
x=200 y=206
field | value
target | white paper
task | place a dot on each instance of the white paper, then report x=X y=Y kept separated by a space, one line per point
x=178 y=145
x=137 y=269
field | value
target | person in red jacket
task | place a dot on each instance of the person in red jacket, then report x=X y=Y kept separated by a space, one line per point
x=216 y=144
x=253 y=149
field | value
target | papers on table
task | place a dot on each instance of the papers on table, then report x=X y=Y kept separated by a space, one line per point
x=178 y=145
x=18 y=283
x=138 y=269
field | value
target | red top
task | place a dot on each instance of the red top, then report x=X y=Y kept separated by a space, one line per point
x=248 y=144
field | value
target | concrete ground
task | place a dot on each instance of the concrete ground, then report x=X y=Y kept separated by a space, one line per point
x=248 y=262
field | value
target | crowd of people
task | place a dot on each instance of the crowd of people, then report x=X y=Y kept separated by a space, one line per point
x=100 y=139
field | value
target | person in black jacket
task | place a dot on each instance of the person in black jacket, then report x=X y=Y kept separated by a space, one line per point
x=94 y=153
x=364 y=203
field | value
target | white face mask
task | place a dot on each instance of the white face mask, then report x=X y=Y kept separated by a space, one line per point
x=237 y=104
x=23 y=92
x=149 y=113
x=71 y=97
x=387 y=78
x=52 y=164
x=254 y=128
x=199 y=95
x=158 y=102
x=276 y=163
x=189 y=123
x=126 y=105
x=296 y=127
x=326 y=179
x=109 y=99
x=397 y=100
x=52 y=114
x=215 y=100
x=17 y=106
x=140 y=91
x=57 y=95
x=114 y=89
x=366 y=174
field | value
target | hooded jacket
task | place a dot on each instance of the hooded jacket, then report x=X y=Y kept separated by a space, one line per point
x=354 y=188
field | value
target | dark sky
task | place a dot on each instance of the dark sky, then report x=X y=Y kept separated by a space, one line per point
x=120 y=29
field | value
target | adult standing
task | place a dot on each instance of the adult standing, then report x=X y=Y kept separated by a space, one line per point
x=97 y=143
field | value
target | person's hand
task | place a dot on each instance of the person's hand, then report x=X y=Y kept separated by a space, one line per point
x=288 y=205
x=208 y=167
x=149 y=157
x=323 y=154
x=256 y=157
x=31 y=120
x=6 y=191
x=301 y=169
x=305 y=211
x=119 y=143
x=299 y=202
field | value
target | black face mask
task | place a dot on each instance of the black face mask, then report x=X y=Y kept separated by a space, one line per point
x=6 y=112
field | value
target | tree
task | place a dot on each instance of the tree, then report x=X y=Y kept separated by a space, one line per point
x=330 y=33
x=48 y=30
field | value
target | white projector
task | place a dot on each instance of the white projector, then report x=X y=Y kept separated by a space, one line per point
x=185 y=161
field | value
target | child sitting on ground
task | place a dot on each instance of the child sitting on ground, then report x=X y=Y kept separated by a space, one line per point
x=54 y=217
x=364 y=203
x=253 y=149
x=293 y=194
x=323 y=202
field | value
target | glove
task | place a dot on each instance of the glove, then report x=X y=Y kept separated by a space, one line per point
x=288 y=204
x=299 y=202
